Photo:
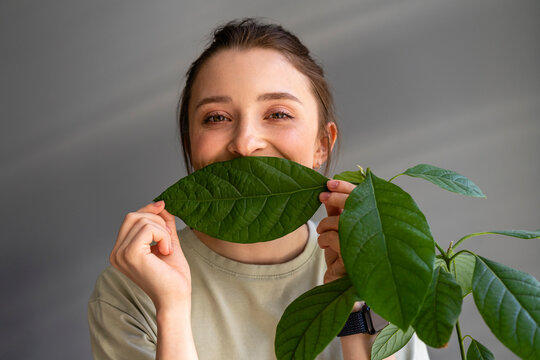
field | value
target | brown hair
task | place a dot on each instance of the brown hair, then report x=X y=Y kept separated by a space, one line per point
x=251 y=33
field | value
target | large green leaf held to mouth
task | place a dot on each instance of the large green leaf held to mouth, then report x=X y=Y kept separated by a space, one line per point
x=248 y=199
x=387 y=249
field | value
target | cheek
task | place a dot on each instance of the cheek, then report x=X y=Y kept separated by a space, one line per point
x=298 y=145
x=204 y=149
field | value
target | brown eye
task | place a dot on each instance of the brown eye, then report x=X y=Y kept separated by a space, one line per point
x=280 y=115
x=216 y=118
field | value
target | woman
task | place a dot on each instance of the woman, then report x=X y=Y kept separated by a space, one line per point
x=255 y=91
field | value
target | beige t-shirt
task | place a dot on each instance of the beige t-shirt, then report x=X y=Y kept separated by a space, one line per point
x=235 y=306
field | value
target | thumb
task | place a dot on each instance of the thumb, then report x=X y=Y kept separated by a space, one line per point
x=171 y=225
x=154 y=208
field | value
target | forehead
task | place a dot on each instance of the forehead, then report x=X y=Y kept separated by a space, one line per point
x=250 y=71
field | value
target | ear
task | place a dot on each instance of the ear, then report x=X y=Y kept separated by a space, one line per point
x=325 y=144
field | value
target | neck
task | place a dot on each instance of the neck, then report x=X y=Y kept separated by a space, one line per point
x=264 y=253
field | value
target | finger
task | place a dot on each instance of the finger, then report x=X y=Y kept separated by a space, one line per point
x=336 y=186
x=124 y=243
x=132 y=217
x=340 y=186
x=332 y=210
x=154 y=208
x=330 y=257
x=162 y=242
x=139 y=245
x=328 y=223
x=140 y=238
x=329 y=240
x=333 y=199
x=335 y=271
x=170 y=223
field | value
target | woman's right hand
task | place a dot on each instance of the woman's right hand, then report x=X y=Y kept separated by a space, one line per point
x=160 y=270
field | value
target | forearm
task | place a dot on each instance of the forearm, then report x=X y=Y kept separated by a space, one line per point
x=358 y=347
x=175 y=338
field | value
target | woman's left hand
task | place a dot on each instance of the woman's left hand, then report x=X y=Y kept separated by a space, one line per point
x=334 y=201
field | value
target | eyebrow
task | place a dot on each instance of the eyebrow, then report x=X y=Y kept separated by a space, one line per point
x=213 y=99
x=278 y=96
x=262 y=97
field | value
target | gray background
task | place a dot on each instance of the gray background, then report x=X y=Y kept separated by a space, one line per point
x=88 y=95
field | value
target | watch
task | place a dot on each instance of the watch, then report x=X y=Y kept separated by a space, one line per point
x=363 y=321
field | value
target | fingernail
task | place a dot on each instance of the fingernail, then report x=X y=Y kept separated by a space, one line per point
x=333 y=184
x=158 y=203
x=324 y=196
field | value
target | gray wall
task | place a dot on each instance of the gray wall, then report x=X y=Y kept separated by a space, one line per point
x=88 y=92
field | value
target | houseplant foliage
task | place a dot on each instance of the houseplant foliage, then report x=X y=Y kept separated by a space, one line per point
x=387 y=249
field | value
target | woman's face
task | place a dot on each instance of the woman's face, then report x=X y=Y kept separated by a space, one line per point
x=254 y=103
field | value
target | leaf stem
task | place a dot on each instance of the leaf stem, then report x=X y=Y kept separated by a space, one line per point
x=468 y=336
x=441 y=250
x=460 y=339
x=470 y=236
x=460 y=252
x=395 y=177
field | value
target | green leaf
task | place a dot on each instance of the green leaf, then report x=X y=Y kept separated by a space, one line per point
x=446 y=179
x=389 y=341
x=440 y=310
x=462 y=267
x=477 y=351
x=314 y=319
x=522 y=234
x=387 y=249
x=248 y=199
x=355 y=177
x=509 y=302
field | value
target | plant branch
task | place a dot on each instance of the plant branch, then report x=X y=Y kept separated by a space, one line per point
x=468 y=336
x=441 y=250
x=460 y=340
x=470 y=236
x=460 y=252
x=395 y=177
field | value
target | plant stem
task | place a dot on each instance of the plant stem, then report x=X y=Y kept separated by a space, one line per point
x=470 y=236
x=460 y=252
x=395 y=177
x=441 y=250
x=460 y=339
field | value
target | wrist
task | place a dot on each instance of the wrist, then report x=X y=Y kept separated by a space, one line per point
x=178 y=312
x=173 y=304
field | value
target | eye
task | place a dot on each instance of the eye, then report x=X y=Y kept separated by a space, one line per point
x=278 y=115
x=215 y=118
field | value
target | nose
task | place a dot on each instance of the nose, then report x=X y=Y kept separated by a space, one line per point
x=247 y=139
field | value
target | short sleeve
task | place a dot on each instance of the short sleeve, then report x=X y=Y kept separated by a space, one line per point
x=114 y=334
x=121 y=319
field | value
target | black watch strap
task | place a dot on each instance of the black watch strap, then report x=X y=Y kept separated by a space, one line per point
x=356 y=324
x=363 y=322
